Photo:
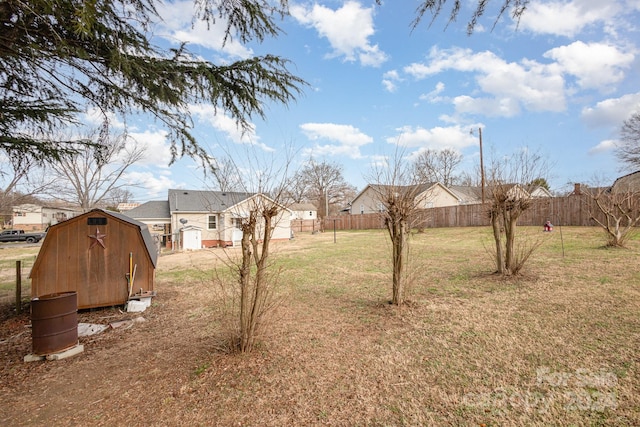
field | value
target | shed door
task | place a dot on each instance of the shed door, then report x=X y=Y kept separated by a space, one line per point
x=192 y=239
x=236 y=234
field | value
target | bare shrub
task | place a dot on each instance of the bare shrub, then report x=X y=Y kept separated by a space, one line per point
x=617 y=212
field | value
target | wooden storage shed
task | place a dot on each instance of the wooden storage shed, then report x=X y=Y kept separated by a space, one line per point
x=93 y=254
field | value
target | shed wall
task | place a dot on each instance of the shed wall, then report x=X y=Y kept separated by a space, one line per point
x=70 y=260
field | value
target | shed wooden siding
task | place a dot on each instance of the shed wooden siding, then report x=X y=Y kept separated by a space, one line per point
x=67 y=262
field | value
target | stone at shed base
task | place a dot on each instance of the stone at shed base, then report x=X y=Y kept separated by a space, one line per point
x=33 y=358
x=134 y=306
x=77 y=349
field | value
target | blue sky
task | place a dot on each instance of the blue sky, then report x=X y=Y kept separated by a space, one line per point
x=561 y=83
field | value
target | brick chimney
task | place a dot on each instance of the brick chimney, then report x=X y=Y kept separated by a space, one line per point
x=576 y=189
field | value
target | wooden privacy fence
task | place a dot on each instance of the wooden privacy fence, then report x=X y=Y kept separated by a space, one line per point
x=305 y=225
x=571 y=210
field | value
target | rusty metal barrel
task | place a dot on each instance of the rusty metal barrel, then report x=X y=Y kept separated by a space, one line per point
x=54 y=322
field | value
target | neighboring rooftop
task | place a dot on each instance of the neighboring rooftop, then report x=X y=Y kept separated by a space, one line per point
x=204 y=201
x=155 y=209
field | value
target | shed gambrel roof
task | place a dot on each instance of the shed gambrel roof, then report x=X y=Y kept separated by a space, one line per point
x=144 y=231
x=204 y=201
x=155 y=209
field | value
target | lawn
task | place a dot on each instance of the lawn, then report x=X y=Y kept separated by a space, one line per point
x=556 y=346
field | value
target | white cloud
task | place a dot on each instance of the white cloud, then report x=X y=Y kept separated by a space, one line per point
x=434 y=95
x=456 y=137
x=347 y=29
x=378 y=161
x=177 y=27
x=564 y=18
x=348 y=139
x=492 y=107
x=511 y=86
x=155 y=184
x=156 y=148
x=595 y=65
x=94 y=117
x=612 y=112
x=390 y=79
x=157 y=151
x=603 y=146
x=228 y=126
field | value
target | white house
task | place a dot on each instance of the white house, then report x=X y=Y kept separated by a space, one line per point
x=303 y=211
x=429 y=195
x=538 y=192
x=36 y=217
x=219 y=215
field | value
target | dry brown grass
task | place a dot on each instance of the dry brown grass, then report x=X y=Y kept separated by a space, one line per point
x=557 y=346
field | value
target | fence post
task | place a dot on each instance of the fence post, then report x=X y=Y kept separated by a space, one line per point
x=18 y=287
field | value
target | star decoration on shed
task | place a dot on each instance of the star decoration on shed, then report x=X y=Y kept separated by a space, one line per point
x=97 y=239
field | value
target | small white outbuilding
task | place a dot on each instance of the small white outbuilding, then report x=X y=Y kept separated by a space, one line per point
x=191 y=238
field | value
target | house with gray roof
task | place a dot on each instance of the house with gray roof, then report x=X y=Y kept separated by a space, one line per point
x=212 y=218
x=427 y=195
x=157 y=216
x=219 y=215
x=629 y=183
x=467 y=195
x=303 y=211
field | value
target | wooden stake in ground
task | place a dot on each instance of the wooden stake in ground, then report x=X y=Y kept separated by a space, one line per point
x=18 y=287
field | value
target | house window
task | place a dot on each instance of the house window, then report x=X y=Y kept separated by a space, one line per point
x=237 y=223
x=212 y=222
x=19 y=214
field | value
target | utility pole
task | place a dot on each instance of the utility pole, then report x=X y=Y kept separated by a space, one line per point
x=481 y=165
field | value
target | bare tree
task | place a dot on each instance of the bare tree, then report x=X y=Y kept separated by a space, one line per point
x=22 y=180
x=437 y=166
x=119 y=195
x=400 y=198
x=469 y=180
x=509 y=197
x=617 y=211
x=254 y=273
x=226 y=175
x=96 y=169
x=296 y=191
x=325 y=184
x=252 y=296
x=628 y=149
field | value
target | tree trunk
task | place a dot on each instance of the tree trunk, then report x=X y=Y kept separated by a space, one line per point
x=497 y=236
x=397 y=231
x=254 y=290
x=245 y=286
x=510 y=234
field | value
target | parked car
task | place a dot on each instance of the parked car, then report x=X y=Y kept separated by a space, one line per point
x=20 y=236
